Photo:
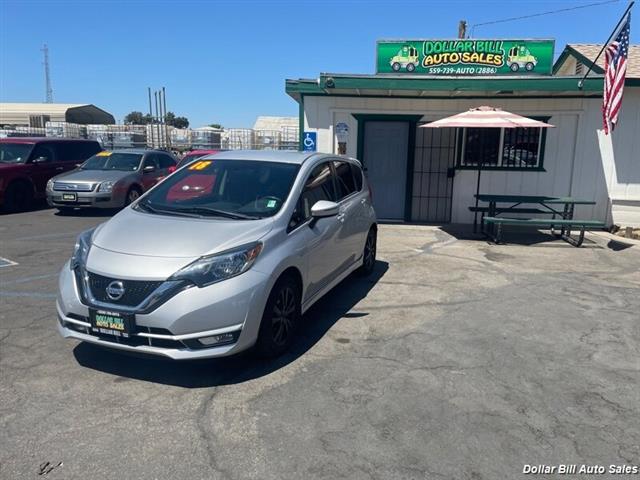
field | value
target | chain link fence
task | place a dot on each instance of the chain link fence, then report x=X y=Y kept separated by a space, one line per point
x=164 y=137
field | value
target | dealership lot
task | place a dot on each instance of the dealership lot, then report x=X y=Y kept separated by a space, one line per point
x=458 y=359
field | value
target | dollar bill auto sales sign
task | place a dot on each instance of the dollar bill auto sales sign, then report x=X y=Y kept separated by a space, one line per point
x=465 y=57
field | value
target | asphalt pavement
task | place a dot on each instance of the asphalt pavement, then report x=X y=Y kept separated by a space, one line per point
x=458 y=359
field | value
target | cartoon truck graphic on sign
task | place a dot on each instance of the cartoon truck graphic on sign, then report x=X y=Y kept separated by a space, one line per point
x=520 y=57
x=407 y=58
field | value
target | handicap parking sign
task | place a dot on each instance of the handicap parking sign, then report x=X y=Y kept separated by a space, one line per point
x=309 y=141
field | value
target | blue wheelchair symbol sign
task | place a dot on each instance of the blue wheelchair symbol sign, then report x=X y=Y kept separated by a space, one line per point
x=309 y=141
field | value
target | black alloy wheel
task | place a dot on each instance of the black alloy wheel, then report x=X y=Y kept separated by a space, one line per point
x=280 y=319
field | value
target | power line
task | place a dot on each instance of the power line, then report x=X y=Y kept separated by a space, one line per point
x=540 y=14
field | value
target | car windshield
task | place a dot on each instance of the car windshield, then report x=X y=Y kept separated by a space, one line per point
x=237 y=189
x=15 y=152
x=127 y=162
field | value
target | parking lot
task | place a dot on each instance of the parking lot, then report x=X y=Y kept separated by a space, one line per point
x=459 y=359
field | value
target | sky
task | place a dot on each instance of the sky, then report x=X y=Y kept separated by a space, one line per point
x=226 y=61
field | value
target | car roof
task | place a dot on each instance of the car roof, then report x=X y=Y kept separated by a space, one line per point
x=43 y=139
x=282 y=156
x=138 y=151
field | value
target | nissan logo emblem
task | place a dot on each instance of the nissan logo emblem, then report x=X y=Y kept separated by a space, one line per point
x=115 y=290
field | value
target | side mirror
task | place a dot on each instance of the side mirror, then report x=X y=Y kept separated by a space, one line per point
x=40 y=160
x=149 y=169
x=322 y=209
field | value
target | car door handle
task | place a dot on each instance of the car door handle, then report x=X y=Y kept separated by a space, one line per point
x=58 y=169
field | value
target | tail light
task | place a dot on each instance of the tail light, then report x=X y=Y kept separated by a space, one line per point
x=172 y=169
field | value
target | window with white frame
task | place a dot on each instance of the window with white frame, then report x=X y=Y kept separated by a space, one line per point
x=501 y=148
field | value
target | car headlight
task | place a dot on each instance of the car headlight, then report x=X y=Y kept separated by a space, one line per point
x=50 y=184
x=106 y=187
x=81 y=249
x=218 y=267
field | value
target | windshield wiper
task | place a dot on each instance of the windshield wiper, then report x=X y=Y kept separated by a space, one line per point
x=219 y=213
x=146 y=207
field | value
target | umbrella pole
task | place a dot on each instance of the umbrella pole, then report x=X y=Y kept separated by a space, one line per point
x=475 y=213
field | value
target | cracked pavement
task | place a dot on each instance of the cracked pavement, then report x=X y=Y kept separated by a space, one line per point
x=459 y=359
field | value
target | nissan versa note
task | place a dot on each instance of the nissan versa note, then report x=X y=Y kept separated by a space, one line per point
x=225 y=254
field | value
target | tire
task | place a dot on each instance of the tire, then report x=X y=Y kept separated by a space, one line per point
x=514 y=67
x=529 y=66
x=411 y=67
x=280 y=319
x=369 y=254
x=18 y=197
x=396 y=67
x=132 y=195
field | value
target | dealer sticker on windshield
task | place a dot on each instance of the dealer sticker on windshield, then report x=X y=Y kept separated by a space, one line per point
x=271 y=204
x=103 y=154
x=200 y=165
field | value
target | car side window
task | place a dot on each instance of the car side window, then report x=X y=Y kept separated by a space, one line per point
x=151 y=160
x=70 y=152
x=344 y=179
x=319 y=186
x=166 y=162
x=44 y=150
x=357 y=176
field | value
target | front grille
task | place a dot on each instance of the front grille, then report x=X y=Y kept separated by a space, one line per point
x=73 y=187
x=135 y=290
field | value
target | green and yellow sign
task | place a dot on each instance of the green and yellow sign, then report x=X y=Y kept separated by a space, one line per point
x=465 y=57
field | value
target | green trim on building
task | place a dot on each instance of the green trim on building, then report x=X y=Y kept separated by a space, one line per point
x=363 y=118
x=328 y=84
x=300 y=122
x=572 y=52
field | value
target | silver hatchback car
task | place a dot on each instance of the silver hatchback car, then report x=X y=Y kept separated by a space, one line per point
x=110 y=179
x=225 y=254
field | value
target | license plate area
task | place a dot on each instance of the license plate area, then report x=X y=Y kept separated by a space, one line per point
x=116 y=324
x=70 y=197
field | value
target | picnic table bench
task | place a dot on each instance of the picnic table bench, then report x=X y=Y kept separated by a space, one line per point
x=562 y=219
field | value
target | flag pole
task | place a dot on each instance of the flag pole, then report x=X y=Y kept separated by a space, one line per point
x=615 y=30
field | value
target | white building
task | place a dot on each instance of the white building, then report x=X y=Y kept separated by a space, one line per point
x=420 y=174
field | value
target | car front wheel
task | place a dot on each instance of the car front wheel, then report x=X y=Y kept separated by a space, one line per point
x=280 y=319
x=369 y=253
x=132 y=195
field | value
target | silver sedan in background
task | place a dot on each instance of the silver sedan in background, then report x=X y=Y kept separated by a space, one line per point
x=225 y=254
x=110 y=179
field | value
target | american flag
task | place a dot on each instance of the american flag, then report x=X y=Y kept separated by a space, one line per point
x=615 y=70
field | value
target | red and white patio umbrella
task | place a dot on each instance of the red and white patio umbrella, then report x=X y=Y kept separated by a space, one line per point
x=485 y=117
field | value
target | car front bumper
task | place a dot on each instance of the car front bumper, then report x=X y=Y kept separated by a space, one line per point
x=86 y=199
x=172 y=330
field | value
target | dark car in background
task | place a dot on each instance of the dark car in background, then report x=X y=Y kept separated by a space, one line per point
x=110 y=179
x=27 y=164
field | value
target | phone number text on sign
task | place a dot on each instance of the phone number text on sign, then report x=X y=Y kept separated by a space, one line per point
x=462 y=70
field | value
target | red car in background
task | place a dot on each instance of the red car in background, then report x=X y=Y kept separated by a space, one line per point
x=27 y=164
x=195 y=154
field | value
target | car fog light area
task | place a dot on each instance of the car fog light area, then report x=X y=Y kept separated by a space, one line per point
x=217 y=339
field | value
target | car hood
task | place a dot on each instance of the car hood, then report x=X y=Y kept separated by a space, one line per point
x=136 y=233
x=93 y=176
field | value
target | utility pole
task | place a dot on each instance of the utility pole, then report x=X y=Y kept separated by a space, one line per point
x=47 y=76
x=462 y=29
